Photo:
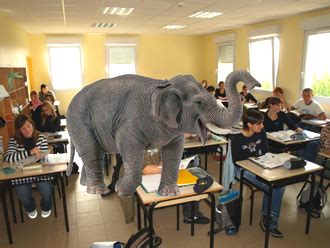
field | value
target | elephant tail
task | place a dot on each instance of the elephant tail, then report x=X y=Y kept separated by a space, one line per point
x=72 y=152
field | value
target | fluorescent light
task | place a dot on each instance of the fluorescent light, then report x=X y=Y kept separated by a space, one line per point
x=173 y=26
x=116 y=11
x=103 y=25
x=202 y=14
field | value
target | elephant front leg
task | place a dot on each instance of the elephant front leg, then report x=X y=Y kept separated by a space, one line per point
x=171 y=157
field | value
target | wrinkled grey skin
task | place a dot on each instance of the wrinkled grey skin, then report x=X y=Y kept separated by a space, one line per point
x=131 y=113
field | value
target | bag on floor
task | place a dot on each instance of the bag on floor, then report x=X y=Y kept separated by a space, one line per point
x=319 y=199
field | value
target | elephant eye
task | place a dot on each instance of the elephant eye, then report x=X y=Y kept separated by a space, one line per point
x=199 y=102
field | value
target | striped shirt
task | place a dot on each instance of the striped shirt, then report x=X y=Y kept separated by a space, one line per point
x=17 y=152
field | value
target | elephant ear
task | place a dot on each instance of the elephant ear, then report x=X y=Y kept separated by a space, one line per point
x=166 y=105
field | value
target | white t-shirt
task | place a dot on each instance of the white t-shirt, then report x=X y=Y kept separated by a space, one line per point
x=313 y=109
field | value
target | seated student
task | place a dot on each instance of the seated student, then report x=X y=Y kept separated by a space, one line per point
x=248 y=97
x=274 y=121
x=204 y=83
x=308 y=107
x=35 y=108
x=211 y=90
x=50 y=122
x=253 y=142
x=28 y=141
x=43 y=91
x=278 y=91
x=220 y=93
x=153 y=165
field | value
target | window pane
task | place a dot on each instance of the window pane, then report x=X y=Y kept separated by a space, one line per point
x=225 y=61
x=261 y=62
x=317 y=64
x=121 y=60
x=65 y=66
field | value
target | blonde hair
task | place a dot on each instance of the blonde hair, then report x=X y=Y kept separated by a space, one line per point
x=49 y=106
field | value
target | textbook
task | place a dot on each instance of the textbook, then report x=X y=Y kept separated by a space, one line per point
x=272 y=160
x=150 y=183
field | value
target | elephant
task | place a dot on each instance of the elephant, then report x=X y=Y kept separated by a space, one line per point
x=130 y=113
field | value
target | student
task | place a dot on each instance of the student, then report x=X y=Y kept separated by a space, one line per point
x=220 y=93
x=211 y=90
x=35 y=108
x=274 y=121
x=204 y=83
x=43 y=91
x=278 y=91
x=275 y=118
x=308 y=107
x=28 y=141
x=153 y=165
x=248 y=97
x=252 y=142
x=50 y=122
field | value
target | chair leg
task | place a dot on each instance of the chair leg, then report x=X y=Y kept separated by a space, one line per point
x=58 y=188
x=251 y=206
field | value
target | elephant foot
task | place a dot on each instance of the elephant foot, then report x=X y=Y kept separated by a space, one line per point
x=127 y=204
x=168 y=190
x=99 y=189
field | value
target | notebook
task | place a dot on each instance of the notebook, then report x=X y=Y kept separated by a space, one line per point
x=272 y=160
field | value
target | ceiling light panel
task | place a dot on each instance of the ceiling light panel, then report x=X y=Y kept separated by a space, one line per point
x=103 y=25
x=173 y=26
x=116 y=11
x=202 y=14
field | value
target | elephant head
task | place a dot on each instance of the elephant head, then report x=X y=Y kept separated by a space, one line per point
x=184 y=104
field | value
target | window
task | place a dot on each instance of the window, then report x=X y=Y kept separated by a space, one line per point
x=121 y=59
x=263 y=58
x=65 y=65
x=225 y=60
x=316 y=68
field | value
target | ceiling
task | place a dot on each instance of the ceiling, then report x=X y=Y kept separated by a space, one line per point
x=148 y=16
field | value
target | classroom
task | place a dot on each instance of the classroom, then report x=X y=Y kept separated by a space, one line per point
x=274 y=107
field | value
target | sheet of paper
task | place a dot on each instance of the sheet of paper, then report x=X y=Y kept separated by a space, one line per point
x=272 y=160
x=185 y=162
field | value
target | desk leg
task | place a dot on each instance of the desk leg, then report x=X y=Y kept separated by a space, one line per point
x=212 y=220
x=138 y=209
x=65 y=210
x=5 y=213
x=309 y=214
x=192 y=217
x=270 y=198
x=178 y=217
x=12 y=203
x=205 y=162
x=150 y=222
x=241 y=195
x=220 y=164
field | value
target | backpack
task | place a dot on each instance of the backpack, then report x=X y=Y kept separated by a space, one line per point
x=319 y=199
x=137 y=240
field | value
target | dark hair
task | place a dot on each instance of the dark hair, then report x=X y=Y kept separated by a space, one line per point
x=308 y=90
x=278 y=90
x=252 y=116
x=274 y=100
x=210 y=89
x=33 y=93
x=42 y=86
x=221 y=82
x=51 y=96
x=20 y=120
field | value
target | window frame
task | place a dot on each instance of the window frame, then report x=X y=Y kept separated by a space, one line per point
x=313 y=31
x=108 y=47
x=274 y=67
x=65 y=45
x=223 y=44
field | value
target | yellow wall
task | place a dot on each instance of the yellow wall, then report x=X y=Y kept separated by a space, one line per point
x=13 y=43
x=291 y=54
x=158 y=56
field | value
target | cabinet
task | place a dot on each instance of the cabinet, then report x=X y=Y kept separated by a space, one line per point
x=15 y=82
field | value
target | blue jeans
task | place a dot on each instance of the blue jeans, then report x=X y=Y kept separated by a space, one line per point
x=24 y=194
x=276 y=201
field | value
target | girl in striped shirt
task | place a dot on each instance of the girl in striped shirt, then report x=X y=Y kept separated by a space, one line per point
x=27 y=142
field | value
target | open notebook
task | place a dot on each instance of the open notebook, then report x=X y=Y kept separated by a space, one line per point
x=150 y=183
x=272 y=160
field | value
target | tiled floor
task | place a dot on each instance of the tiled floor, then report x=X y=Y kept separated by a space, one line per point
x=92 y=219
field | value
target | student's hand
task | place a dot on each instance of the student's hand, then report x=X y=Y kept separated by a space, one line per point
x=299 y=130
x=35 y=151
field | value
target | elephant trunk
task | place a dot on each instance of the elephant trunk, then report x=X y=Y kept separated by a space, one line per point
x=228 y=117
